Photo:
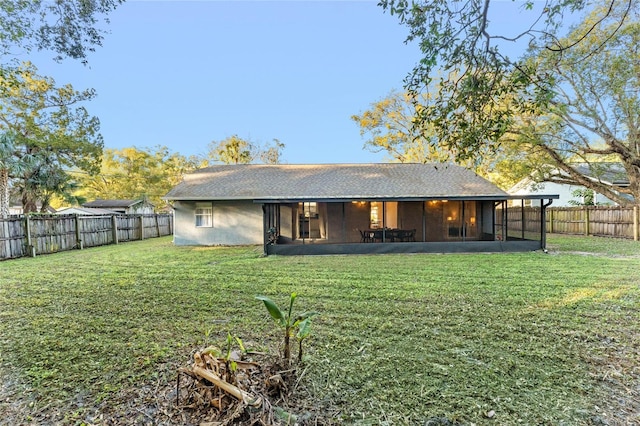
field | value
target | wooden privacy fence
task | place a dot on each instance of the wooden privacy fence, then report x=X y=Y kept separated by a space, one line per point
x=618 y=222
x=30 y=235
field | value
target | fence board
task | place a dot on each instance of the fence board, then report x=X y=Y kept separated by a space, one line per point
x=54 y=233
x=604 y=221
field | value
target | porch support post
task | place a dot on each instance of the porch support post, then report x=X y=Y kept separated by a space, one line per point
x=505 y=213
x=424 y=220
x=344 y=223
x=494 y=218
x=543 y=226
x=264 y=230
x=464 y=223
x=384 y=220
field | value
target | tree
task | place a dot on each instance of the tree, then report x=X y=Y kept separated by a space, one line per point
x=388 y=124
x=594 y=113
x=232 y=150
x=8 y=165
x=133 y=173
x=272 y=153
x=235 y=150
x=50 y=128
x=69 y=28
x=471 y=79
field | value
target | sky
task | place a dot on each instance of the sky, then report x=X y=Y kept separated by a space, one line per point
x=182 y=74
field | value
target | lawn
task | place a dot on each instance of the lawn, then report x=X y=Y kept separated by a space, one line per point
x=520 y=338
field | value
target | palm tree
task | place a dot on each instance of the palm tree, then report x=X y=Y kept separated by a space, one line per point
x=8 y=164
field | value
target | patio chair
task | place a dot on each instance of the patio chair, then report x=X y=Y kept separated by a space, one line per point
x=407 y=235
x=365 y=236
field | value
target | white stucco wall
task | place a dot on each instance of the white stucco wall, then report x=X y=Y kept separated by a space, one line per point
x=234 y=223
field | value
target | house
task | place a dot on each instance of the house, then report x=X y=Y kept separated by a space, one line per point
x=122 y=206
x=86 y=211
x=612 y=174
x=15 y=210
x=352 y=208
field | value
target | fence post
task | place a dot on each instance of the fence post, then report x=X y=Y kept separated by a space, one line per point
x=636 y=225
x=31 y=250
x=157 y=225
x=586 y=220
x=141 y=227
x=114 y=228
x=78 y=233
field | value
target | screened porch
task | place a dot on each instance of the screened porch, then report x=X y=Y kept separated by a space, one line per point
x=434 y=225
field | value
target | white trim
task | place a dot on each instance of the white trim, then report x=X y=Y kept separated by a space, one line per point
x=203 y=215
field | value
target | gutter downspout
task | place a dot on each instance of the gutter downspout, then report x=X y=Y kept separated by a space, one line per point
x=543 y=225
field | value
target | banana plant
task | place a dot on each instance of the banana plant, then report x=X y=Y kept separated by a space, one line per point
x=304 y=330
x=289 y=322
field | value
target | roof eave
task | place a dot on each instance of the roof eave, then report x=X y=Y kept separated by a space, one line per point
x=262 y=200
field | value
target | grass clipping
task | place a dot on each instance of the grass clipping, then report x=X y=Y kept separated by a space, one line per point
x=235 y=390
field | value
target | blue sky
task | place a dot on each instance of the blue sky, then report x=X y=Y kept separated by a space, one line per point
x=184 y=73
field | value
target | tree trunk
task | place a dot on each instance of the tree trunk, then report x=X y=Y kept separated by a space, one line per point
x=4 y=193
x=29 y=203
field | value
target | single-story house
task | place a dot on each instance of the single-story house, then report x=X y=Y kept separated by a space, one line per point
x=353 y=208
x=612 y=174
x=86 y=211
x=122 y=206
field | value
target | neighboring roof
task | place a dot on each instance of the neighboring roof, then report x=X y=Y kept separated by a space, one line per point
x=105 y=204
x=289 y=182
x=611 y=173
x=86 y=211
x=607 y=173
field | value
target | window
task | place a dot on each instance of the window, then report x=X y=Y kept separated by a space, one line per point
x=204 y=215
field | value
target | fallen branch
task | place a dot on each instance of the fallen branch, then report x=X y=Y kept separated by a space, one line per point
x=227 y=387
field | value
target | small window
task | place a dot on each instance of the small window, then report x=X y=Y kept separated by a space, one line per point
x=204 y=215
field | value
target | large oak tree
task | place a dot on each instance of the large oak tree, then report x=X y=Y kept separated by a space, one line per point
x=471 y=78
x=593 y=115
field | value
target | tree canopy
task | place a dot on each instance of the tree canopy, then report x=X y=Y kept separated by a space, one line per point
x=466 y=70
x=236 y=150
x=42 y=133
x=593 y=116
x=68 y=28
x=50 y=132
x=135 y=173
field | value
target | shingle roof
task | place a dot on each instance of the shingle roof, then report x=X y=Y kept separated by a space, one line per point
x=333 y=181
x=105 y=204
x=612 y=173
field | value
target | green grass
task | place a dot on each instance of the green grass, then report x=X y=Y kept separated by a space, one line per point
x=537 y=338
